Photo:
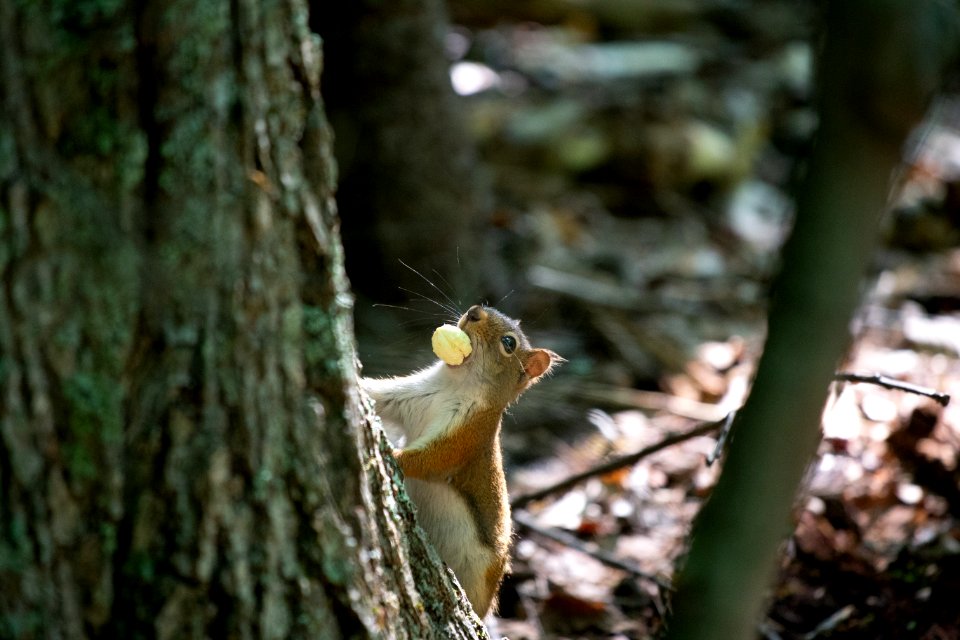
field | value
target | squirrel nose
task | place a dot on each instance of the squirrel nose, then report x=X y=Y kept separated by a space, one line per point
x=476 y=313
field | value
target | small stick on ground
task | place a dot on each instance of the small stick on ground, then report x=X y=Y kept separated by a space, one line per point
x=722 y=438
x=616 y=463
x=569 y=540
x=891 y=383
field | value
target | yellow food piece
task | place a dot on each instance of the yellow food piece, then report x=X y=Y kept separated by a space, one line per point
x=451 y=344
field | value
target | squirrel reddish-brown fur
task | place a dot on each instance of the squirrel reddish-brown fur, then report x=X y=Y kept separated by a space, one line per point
x=450 y=419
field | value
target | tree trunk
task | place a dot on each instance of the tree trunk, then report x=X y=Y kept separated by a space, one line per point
x=409 y=175
x=183 y=452
x=881 y=63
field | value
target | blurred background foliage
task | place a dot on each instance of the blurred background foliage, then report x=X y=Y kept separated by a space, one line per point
x=627 y=163
x=621 y=176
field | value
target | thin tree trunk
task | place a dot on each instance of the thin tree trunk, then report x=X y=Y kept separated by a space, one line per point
x=183 y=452
x=882 y=62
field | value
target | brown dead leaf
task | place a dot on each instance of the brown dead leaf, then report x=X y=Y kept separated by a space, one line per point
x=617 y=478
x=561 y=602
x=564 y=612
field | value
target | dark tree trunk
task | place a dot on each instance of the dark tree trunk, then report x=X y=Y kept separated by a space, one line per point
x=409 y=182
x=183 y=452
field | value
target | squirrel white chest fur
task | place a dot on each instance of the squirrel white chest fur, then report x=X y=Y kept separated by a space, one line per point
x=448 y=418
x=425 y=404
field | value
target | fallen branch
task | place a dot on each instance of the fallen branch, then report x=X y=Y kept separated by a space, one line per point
x=891 y=383
x=568 y=540
x=703 y=429
x=616 y=463
x=650 y=401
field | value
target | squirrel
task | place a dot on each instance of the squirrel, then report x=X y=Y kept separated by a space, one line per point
x=450 y=418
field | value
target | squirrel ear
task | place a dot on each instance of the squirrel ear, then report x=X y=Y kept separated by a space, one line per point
x=540 y=362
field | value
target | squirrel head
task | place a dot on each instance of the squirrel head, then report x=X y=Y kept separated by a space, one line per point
x=502 y=360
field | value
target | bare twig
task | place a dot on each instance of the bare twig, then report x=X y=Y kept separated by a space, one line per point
x=704 y=429
x=892 y=383
x=830 y=623
x=568 y=540
x=616 y=463
x=722 y=438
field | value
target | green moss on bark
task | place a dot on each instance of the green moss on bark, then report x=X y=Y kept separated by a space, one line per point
x=94 y=407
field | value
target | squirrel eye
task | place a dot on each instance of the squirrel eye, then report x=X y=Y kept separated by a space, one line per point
x=509 y=343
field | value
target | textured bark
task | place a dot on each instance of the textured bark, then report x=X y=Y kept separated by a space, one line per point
x=183 y=452
x=409 y=174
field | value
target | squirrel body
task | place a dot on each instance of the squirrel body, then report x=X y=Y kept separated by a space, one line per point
x=449 y=418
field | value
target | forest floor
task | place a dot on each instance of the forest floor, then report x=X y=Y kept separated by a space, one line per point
x=875 y=552
x=641 y=175
x=641 y=181
x=650 y=206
